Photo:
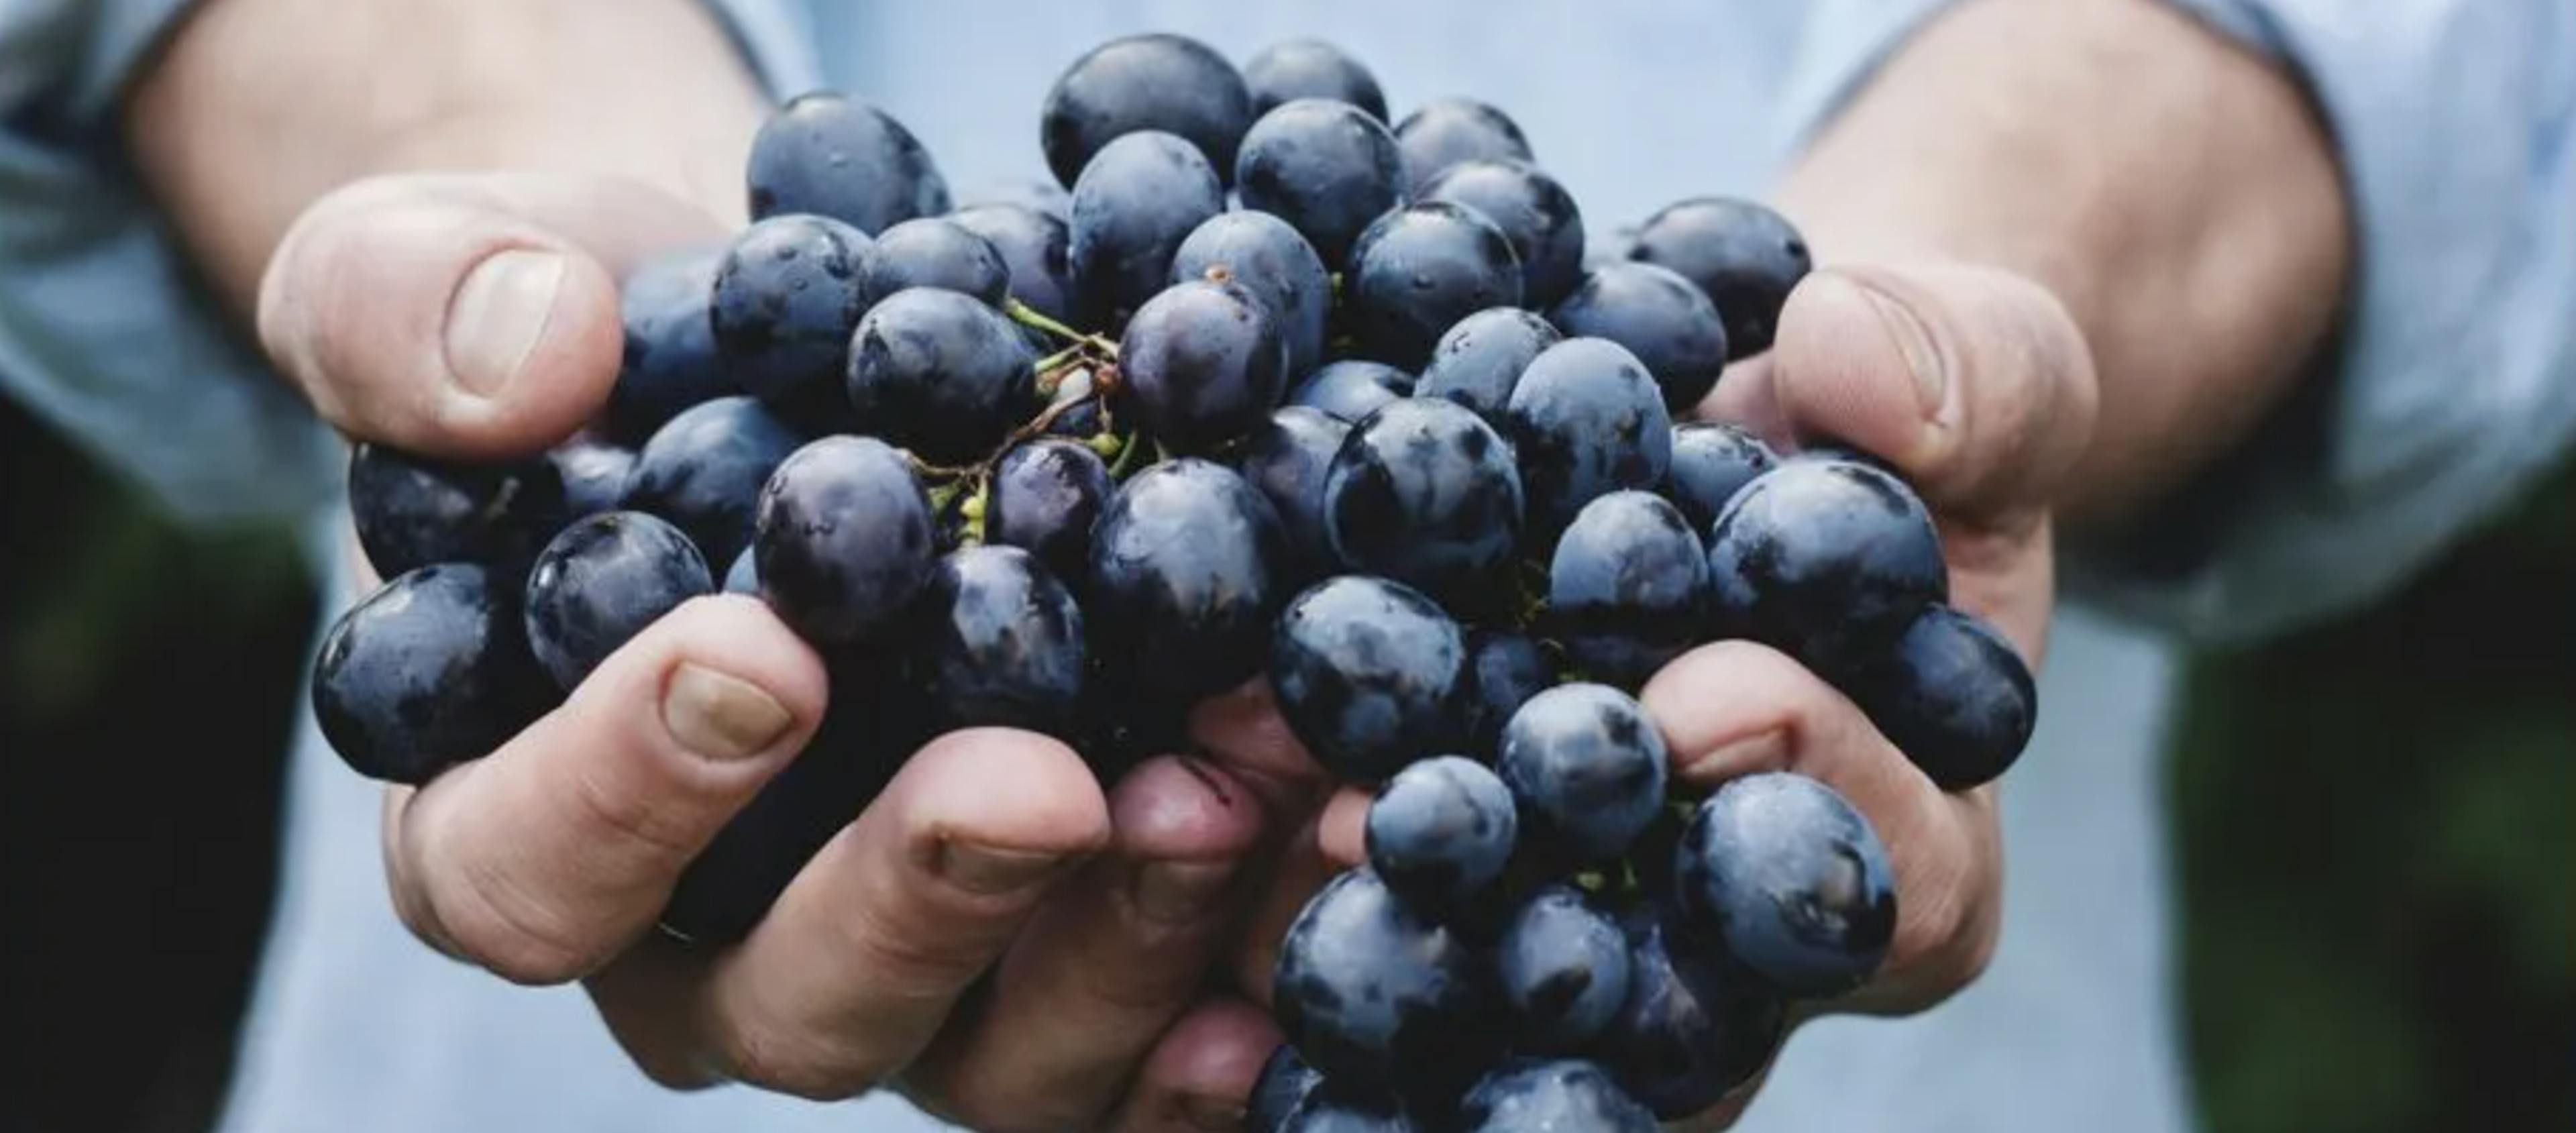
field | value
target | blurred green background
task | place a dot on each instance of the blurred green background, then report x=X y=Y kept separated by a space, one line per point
x=2377 y=824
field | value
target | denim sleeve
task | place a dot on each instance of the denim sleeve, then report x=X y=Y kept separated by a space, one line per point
x=2453 y=386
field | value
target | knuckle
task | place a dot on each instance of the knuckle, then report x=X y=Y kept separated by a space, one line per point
x=782 y=1060
x=517 y=935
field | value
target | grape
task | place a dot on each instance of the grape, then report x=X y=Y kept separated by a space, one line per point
x=844 y=543
x=1266 y=257
x=1825 y=560
x=1478 y=361
x=1690 y=1032
x=1004 y=643
x=1782 y=875
x=594 y=475
x=1168 y=83
x=743 y=577
x=1745 y=257
x=1046 y=494
x=1324 y=166
x=1628 y=587
x=1036 y=250
x=1954 y=696
x=670 y=361
x=1660 y=318
x=1367 y=673
x=1310 y=68
x=603 y=580
x=703 y=471
x=1351 y=388
x=1287 y=460
x=1424 y=492
x=829 y=155
x=787 y=295
x=1371 y=993
x=1504 y=670
x=1563 y=970
x=1552 y=1097
x=1712 y=461
x=430 y=670
x=1332 y=1110
x=1417 y=270
x=1586 y=421
x=940 y=373
x=938 y=252
x=1186 y=570
x=1533 y=210
x=1444 y=132
x=413 y=511
x=1588 y=769
x=1284 y=1083
x=1040 y=195
x=1201 y=364
x=1134 y=204
x=1440 y=832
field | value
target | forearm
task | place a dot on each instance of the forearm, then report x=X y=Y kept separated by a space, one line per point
x=2174 y=191
x=258 y=107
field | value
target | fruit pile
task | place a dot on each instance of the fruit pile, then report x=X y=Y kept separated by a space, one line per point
x=1275 y=389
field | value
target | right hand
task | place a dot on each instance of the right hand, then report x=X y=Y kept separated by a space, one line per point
x=475 y=317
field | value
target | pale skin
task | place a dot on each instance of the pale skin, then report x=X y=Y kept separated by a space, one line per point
x=2075 y=249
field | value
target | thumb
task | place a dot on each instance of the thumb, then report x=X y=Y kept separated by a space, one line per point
x=466 y=316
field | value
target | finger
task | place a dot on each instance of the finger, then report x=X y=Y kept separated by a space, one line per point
x=1242 y=730
x=1202 y=1072
x=866 y=953
x=1298 y=868
x=1342 y=829
x=1107 y=964
x=550 y=855
x=462 y=316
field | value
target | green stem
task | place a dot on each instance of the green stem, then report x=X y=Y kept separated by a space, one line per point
x=1030 y=316
x=1130 y=446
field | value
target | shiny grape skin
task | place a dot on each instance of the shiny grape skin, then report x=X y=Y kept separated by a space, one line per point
x=1954 y=696
x=1627 y=590
x=594 y=475
x=935 y=251
x=743 y=577
x=787 y=295
x=1713 y=460
x=429 y=670
x=1552 y=1097
x=1744 y=256
x=1328 y=1110
x=1660 y=317
x=1504 y=670
x=1440 y=832
x=1783 y=877
x=1168 y=83
x=1133 y=205
x=1265 y=256
x=1588 y=768
x=414 y=511
x=1200 y=365
x=1478 y=361
x=1324 y=166
x=1187 y=576
x=1562 y=968
x=1371 y=993
x=1692 y=1029
x=1310 y=68
x=1045 y=496
x=600 y=582
x=1002 y=643
x=1426 y=493
x=1287 y=459
x=1419 y=269
x=669 y=362
x=829 y=155
x=1368 y=673
x=1826 y=560
x=1285 y=1081
x=941 y=373
x=1351 y=389
x=1533 y=209
x=844 y=541
x=1037 y=252
x=1041 y=195
x=1585 y=420
x=704 y=470
x=1446 y=131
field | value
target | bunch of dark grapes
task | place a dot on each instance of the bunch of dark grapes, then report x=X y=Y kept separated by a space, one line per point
x=1071 y=463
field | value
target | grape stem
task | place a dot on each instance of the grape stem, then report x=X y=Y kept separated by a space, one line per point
x=1029 y=316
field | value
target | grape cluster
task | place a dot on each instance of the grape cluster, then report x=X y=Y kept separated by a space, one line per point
x=1070 y=463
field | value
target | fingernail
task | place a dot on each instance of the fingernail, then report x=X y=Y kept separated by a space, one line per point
x=1178 y=892
x=1216 y=1114
x=1913 y=342
x=994 y=871
x=1760 y=752
x=498 y=314
x=721 y=717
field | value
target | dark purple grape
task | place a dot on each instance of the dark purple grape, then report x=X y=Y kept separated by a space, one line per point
x=1036 y=250
x=1046 y=494
x=942 y=374
x=1287 y=460
x=1134 y=204
x=1201 y=364
x=1444 y=132
x=1954 y=696
x=1417 y=270
x=1712 y=461
x=1552 y=1097
x=1426 y=493
x=1351 y=388
x=1586 y=420
x=1003 y=644
x=1324 y=166
x=1533 y=209
x=1187 y=570
x=1588 y=769
x=1368 y=674
x=703 y=471
x=1040 y=195
x=430 y=670
x=1504 y=670
x=1375 y=996
x=829 y=155
x=1783 y=877
x=935 y=251
x=1479 y=361
x=1744 y=257
x=1310 y=68
x=1563 y=970
x=844 y=539
x=603 y=580
x=594 y=475
x=1330 y=1109
x=1167 y=83
x=1284 y=1083
x=1628 y=588
x=412 y=511
x=1440 y=832
x=1660 y=318
x=1262 y=254
x=1691 y=1031
x=1826 y=560
x=788 y=294
x=670 y=361
x=743 y=577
